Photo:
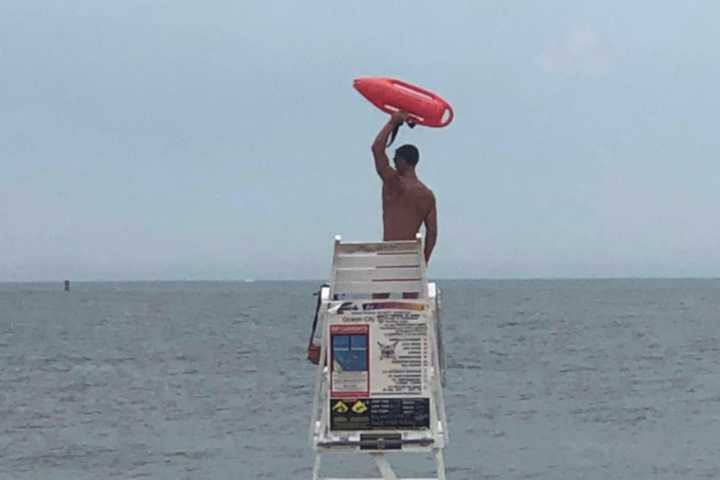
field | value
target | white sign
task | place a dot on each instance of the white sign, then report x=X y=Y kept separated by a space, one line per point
x=380 y=349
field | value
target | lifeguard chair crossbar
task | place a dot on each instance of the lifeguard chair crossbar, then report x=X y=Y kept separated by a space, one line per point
x=378 y=383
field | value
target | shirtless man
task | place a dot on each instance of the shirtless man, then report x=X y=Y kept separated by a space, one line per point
x=407 y=202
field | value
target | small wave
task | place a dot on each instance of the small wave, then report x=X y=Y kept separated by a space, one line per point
x=464 y=366
x=508 y=324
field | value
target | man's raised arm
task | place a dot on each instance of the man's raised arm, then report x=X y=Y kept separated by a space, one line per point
x=382 y=163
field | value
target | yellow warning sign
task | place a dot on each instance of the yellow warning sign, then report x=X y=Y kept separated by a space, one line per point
x=341 y=407
x=359 y=407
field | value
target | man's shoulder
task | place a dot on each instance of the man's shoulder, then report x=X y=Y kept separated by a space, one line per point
x=427 y=191
x=424 y=195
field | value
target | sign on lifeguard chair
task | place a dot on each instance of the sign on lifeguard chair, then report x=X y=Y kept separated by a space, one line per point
x=378 y=384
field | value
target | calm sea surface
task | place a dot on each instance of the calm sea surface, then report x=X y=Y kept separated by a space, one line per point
x=602 y=379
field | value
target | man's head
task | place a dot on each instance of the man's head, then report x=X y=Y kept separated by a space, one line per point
x=406 y=158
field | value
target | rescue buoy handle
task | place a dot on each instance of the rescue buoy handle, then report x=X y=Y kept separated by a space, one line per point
x=451 y=115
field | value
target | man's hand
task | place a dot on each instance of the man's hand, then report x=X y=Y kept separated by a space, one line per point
x=399 y=117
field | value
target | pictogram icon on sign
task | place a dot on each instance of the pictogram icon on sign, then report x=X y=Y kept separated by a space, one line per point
x=359 y=407
x=340 y=407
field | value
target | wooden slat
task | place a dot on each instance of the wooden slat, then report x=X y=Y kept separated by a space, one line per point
x=390 y=247
x=378 y=287
x=375 y=260
x=369 y=274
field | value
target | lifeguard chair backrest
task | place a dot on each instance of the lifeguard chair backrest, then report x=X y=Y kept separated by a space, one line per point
x=378 y=270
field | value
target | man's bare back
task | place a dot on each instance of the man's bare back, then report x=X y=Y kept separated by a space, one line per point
x=407 y=202
x=405 y=207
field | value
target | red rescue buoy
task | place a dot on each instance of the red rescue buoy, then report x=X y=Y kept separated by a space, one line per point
x=391 y=95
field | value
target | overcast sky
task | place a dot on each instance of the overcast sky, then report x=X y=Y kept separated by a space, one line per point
x=223 y=140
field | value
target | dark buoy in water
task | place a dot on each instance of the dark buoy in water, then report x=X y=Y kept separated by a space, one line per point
x=67 y=285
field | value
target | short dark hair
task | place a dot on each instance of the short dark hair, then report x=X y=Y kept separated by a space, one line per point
x=409 y=153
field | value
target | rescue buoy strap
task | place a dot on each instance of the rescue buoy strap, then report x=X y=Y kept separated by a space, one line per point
x=394 y=133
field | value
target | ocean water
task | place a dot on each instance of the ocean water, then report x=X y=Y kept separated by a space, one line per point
x=601 y=379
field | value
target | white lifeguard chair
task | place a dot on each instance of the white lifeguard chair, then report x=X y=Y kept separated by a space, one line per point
x=378 y=383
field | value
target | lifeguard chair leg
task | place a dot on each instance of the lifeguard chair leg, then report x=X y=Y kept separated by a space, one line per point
x=385 y=469
x=439 y=463
x=316 y=466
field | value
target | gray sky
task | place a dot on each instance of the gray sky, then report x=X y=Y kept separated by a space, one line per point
x=223 y=140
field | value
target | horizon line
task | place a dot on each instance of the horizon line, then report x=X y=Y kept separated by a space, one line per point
x=299 y=280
